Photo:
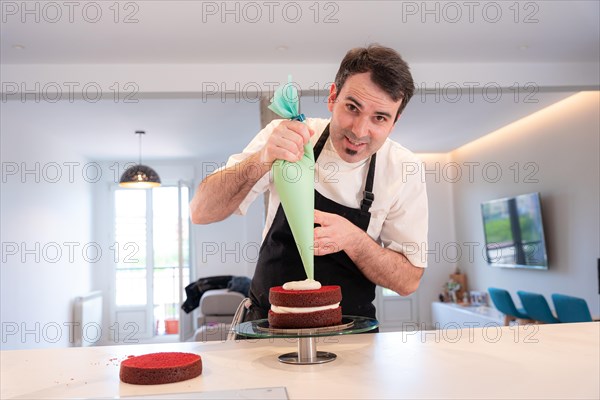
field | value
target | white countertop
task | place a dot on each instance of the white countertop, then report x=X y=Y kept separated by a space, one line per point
x=542 y=361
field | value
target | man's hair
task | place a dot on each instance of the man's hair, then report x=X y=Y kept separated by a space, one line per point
x=388 y=71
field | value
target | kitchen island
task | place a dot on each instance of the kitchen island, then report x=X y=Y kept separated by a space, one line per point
x=538 y=361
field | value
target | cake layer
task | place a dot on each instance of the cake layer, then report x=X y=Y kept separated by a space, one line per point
x=159 y=368
x=324 y=296
x=301 y=310
x=316 y=319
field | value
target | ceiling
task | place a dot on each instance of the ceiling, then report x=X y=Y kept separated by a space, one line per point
x=251 y=32
x=199 y=32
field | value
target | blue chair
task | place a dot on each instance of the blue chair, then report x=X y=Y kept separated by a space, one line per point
x=537 y=307
x=504 y=303
x=571 y=309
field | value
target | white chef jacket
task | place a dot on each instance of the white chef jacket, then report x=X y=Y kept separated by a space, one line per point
x=399 y=213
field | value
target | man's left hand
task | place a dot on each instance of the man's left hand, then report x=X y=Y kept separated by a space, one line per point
x=335 y=234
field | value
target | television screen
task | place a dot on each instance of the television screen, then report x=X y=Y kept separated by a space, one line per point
x=514 y=232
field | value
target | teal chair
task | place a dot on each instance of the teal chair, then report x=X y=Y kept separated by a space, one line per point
x=504 y=303
x=571 y=309
x=537 y=307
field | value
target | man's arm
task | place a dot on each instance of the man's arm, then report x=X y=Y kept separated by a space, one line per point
x=381 y=266
x=221 y=193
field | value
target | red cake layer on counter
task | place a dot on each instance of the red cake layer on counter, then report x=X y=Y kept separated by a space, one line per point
x=159 y=368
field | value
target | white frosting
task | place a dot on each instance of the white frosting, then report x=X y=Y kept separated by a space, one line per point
x=301 y=310
x=307 y=284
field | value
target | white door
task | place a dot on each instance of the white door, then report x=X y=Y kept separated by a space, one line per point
x=395 y=312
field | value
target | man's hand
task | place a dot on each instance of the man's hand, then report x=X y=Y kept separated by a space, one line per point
x=381 y=266
x=335 y=234
x=219 y=194
x=286 y=142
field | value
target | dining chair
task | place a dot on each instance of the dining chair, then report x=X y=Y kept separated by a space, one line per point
x=504 y=303
x=537 y=307
x=571 y=309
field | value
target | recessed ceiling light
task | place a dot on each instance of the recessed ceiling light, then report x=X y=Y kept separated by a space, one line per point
x=282 y=48
x=18 y=47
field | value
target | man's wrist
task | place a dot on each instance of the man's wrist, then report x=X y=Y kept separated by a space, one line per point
x=264 y=159
x=253 y=168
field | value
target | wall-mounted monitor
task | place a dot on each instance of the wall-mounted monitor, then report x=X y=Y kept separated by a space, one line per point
x=514 y=232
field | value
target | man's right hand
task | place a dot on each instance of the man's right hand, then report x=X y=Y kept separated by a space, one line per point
x=219 y=194
x=286 y=142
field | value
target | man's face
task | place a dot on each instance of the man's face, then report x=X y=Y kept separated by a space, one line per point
x=362 y=117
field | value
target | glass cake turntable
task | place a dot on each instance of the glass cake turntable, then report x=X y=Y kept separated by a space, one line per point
x=307 y=345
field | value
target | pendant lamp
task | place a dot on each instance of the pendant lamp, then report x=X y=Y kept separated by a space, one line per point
x=139 y=176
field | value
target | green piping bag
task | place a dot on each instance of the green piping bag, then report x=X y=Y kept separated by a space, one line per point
x=295 y=181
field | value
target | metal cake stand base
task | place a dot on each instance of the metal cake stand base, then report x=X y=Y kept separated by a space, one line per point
x=307 y=353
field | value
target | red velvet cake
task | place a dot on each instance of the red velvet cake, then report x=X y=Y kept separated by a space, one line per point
x=158 y=368
x=314 y=308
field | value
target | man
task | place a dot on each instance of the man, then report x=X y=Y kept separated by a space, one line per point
x=371 y=213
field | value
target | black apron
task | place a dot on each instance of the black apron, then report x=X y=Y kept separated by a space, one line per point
x=279 y=259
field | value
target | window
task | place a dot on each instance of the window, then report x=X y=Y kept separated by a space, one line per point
x=150 y=250
x=130 y=247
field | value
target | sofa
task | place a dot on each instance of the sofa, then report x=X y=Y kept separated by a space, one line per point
x=215 y=314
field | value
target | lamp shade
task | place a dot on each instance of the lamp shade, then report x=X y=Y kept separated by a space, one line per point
x=139 y=177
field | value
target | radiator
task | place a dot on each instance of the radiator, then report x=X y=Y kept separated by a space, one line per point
x=87 y=318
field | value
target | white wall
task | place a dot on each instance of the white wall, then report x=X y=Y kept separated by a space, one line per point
x=441 y=257
x=41 y=211
x=561 y=144
x=228 y=247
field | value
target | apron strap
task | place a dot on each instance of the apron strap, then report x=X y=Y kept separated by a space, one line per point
x=368 y=195
x=321 y=142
